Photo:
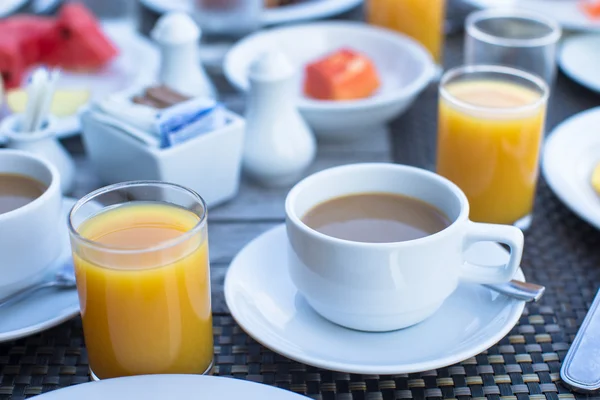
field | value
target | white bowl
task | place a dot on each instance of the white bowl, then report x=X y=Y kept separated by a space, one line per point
x=404 y=66
x=209 y=164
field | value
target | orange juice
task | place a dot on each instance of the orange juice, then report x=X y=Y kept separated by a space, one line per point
x=145 y=302
x=422 y=20
x=491 y=155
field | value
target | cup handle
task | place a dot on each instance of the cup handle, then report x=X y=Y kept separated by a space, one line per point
x=505 y=234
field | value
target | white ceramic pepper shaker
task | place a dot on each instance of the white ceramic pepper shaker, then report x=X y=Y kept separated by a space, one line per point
x=42 y=143
x=279 y=145
x=178 y=37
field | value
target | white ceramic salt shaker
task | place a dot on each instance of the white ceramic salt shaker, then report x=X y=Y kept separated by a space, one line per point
x=279 y=145
x=42 y=143
x=178 y=37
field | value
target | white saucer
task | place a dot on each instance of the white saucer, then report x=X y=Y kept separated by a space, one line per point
x=265 y=303
x=302 y=11
x=159 y=387
x=579 y=59
x=570 y=154
x=44 y=309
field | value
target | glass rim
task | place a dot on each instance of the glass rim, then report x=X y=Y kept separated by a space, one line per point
x=495 y=69
x=477 y=16
x=160 y=246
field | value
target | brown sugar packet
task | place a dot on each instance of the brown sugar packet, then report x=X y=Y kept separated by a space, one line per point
x=148 y=102
x=165 y=95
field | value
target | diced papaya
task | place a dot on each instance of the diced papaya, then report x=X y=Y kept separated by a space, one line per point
x=343 y=75
x=591 y=8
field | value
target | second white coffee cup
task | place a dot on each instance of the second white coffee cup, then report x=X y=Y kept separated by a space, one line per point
x=388 y=286
x=30 y=236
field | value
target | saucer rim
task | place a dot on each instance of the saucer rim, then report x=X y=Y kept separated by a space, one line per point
x=67 y=314
x=516 y=312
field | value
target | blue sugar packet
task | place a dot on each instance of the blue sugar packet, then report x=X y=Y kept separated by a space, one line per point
x=188 y=120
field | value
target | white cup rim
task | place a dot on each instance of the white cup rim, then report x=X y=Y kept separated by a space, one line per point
x=48 y=193
x=294 y=193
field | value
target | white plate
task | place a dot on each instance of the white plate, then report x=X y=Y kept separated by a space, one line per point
x=138 y=61
x=265 y=303
x=302 y=11
x=579 y=58
x=161 y=387
x=565 y=12
x=8 y=7
x=571 y=152
x=44 y=309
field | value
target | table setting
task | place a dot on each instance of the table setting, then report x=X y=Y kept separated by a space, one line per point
x=327 y=199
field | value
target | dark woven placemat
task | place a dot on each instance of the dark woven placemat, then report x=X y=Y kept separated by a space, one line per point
x=525 y=363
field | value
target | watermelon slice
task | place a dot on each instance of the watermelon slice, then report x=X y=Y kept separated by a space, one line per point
x=12 y=66
x=79 y=41
x=27 y=32
x=72 y=41
x=20 y=45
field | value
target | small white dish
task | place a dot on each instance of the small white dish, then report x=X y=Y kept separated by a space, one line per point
x=265 y=303
x=301 y=11
x=579 y=59
x=566 y=12
x=159 y=387
x=404 y=66
x=570 y=154
x=209 y=164
x=46 y=308
x=138 y=61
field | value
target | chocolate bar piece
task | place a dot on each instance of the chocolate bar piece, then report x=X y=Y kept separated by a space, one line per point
x=147 y=102
x=165 y=95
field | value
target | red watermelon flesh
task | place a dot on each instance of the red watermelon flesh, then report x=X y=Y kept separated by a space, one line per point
x=12 y=66
x=20 y=45
x=80 y=42
x=27 y=31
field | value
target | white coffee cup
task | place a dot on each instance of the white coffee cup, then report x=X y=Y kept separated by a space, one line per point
x=30 y=236
x=388 y=286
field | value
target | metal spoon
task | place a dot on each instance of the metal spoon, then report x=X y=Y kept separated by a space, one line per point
x=63 y=279
x=519 y=290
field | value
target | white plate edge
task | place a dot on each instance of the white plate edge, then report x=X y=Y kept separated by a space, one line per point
x=554 y=179
x=567 y=69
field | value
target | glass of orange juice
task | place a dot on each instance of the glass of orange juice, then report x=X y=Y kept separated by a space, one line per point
x=423 y=20
x=141 y=261
x=490 y=128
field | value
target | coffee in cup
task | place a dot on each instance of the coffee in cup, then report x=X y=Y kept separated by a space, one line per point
x=17 y=190
x=376 y=218
x=379 y=247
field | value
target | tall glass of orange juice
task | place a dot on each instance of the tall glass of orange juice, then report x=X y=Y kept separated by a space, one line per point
x=423 y=20
x=141 y=262
x=490 y=128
